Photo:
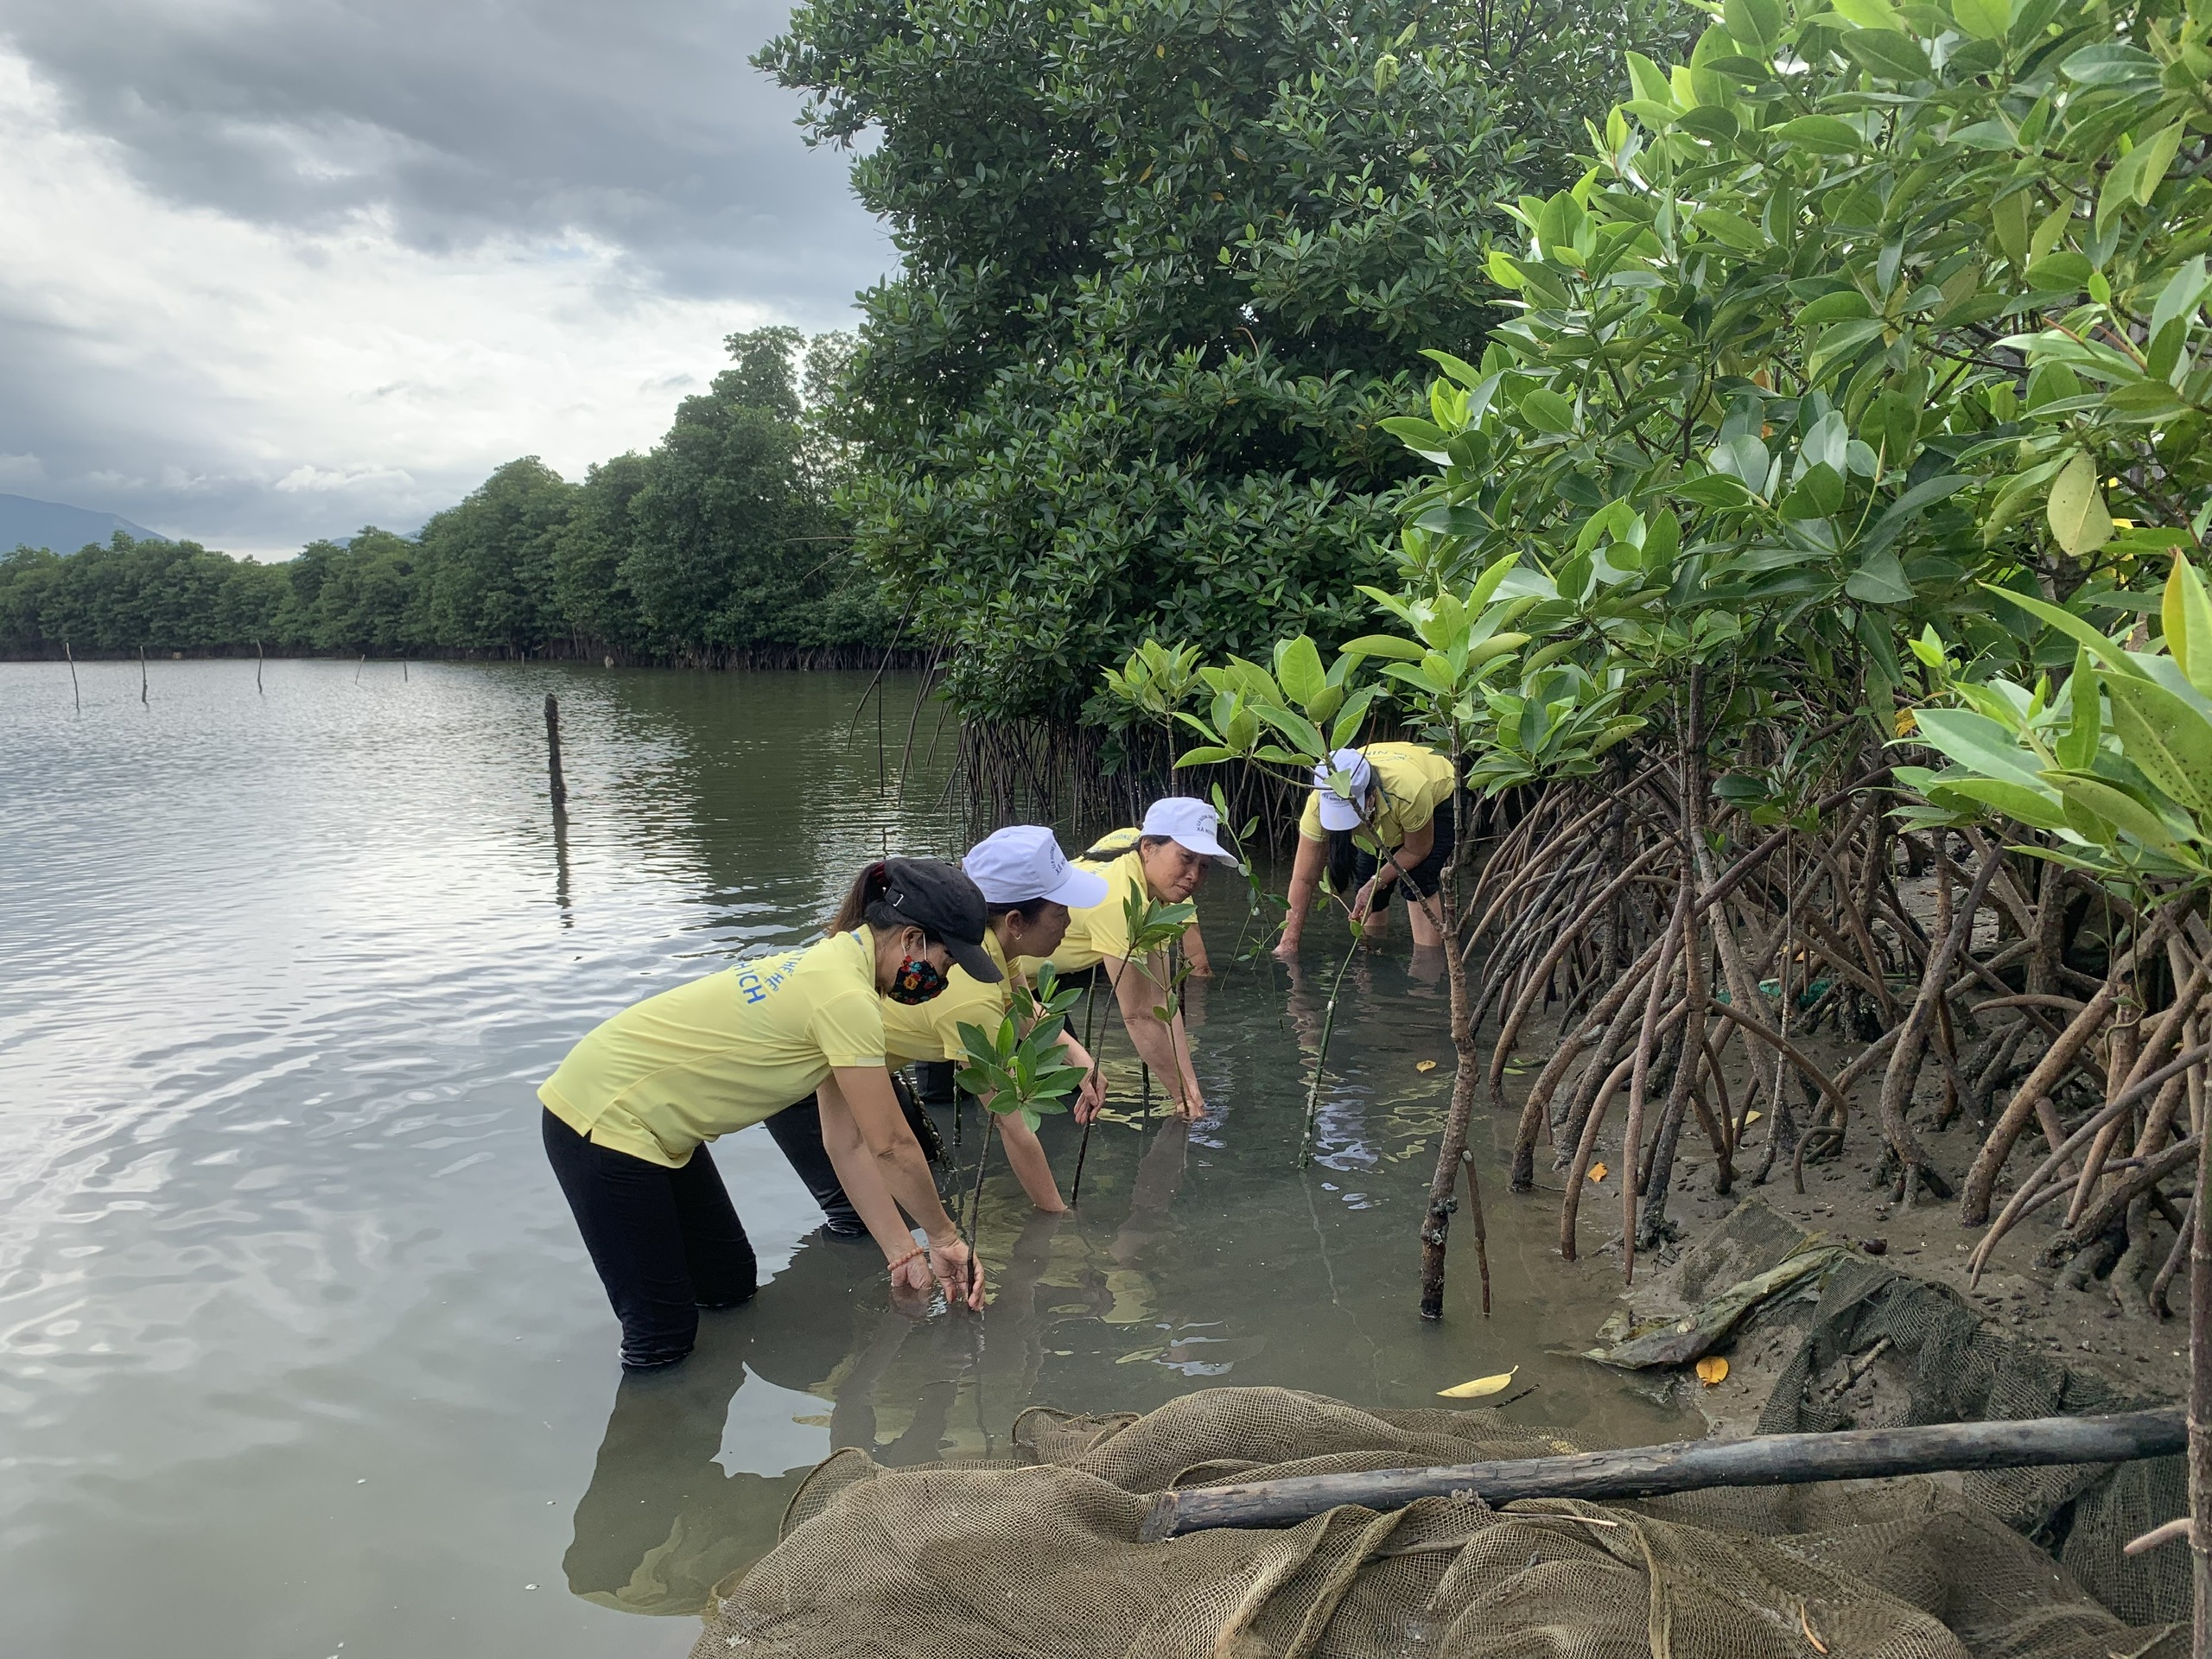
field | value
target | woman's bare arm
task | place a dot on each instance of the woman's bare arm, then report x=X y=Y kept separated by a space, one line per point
x=895 y=1161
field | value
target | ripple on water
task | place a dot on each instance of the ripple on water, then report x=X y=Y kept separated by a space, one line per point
x=296 y=1336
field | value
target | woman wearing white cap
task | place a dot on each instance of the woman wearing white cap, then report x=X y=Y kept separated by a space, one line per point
x=1164 y=861
x=1028 y=886
x=1377 y=817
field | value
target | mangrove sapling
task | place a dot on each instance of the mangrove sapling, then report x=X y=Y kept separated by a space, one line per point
x=1018 y=1068
x=1321 y=1051
x=1153 y=927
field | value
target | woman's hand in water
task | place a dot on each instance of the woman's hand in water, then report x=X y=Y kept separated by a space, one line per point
x=958 y=1272
x=1192 y=1107
x=911 y=1275
x=1090 y=1094
x=1287 y=948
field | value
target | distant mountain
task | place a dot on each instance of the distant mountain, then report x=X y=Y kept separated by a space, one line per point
x=26 y=523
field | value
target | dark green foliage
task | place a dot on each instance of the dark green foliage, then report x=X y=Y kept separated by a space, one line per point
x=489 y=562
x=589 y=587
x=720 y=540
x=1165 y=268
x=732 y=541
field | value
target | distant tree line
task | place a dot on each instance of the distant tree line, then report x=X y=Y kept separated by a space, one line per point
x=721 y=543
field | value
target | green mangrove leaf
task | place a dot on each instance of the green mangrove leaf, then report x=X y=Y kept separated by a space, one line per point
x=2038 y=807
x=2078 y=518
x=1985 y=20
x=1981 y=745
x=2101 y=800
x=2109 y=653
x=2186 y=617
x=2168 y=741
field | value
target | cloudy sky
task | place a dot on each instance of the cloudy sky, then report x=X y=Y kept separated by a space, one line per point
x=272 y=270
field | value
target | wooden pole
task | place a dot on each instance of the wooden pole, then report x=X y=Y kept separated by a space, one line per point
x=553 y=750
x=142 y=674
x=258 y=661
x=75 y=690
x=1688 y=1466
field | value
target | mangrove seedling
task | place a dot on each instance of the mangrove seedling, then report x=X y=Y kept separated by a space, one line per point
x=1153 y=927
x=1018 y=1067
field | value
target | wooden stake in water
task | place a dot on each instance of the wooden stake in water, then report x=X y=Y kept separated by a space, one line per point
x=553 y=750
x=74 y=690
x=258 y=659
x=142 y=674
x=358 y=666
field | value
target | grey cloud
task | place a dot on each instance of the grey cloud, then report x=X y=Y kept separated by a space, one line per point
x=455 y=122
x=641 y=124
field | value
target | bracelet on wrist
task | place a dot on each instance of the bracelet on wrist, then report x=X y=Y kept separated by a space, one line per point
x=916 y=1251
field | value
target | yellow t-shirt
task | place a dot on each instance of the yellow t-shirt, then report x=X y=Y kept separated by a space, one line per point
x=931 y=1030
x=723 y=1053
x=1097 y=932
x=1416 y=781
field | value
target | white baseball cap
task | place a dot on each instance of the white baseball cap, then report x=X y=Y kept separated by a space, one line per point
x=1342 y=781
x=1024 y=861
x=1189 y=822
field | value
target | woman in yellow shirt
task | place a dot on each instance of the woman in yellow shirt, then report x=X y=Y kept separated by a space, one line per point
x=1377 y=817
x=1164 y=860
x=630 y=1111
x=1028 y=886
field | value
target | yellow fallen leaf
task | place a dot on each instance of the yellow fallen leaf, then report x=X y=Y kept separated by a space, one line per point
x=1712 y=1370
x=1480 y=1386
x=1751 y=1118
x=1424 y=1065
x=1596 y=1172
x=1907 y=723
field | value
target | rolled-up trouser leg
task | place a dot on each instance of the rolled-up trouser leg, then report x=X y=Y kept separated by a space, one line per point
x=797 y=1130
x=641 y=1230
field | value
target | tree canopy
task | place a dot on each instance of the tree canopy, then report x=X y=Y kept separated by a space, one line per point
x=1163 y=271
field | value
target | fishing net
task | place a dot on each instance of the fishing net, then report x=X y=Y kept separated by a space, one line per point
x=1949 y=1365
x=1037 y=1555
x=1861 y=1346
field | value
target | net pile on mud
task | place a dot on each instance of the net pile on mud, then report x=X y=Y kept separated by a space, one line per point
x=1954 y=1367
x=1040 y=1557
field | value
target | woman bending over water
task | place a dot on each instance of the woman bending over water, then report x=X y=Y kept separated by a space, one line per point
x=1164 y=861
x=1379 y=817
x=629 y=1112
x=1028 y=886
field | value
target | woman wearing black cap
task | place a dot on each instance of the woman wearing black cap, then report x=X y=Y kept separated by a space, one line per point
x=629 y=1111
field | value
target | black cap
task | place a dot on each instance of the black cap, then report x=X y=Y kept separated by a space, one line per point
x=942 y=901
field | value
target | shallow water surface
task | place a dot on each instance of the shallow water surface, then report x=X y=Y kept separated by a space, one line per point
x=299 y=1352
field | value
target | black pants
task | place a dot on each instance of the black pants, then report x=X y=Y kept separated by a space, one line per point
x=797 y=1130
x=1426 y=876
x=666 y=1242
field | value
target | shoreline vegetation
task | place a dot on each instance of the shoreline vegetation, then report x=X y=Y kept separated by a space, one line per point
x=721 y=547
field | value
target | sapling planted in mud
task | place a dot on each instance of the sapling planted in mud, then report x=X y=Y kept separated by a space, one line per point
x=1152 y=927
x=1019 y=1067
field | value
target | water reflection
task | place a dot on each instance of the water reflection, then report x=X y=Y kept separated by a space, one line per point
x=665 y=1519
x=295 y=1333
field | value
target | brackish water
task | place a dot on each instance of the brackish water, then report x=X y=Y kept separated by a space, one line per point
x=299 y=1355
